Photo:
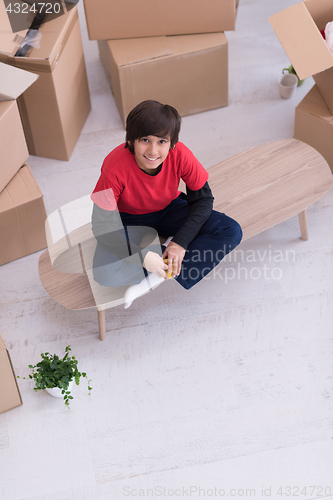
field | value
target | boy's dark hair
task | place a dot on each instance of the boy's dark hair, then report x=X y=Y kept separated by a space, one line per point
x=152 y=118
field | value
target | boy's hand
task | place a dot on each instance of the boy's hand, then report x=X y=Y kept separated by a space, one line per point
x=175 y=254
x=155 y=264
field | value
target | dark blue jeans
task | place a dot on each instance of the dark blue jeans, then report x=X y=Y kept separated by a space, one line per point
x=218 y=236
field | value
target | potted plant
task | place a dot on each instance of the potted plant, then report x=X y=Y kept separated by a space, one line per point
x=57 y=375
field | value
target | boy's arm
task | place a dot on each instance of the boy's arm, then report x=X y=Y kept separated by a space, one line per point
x=108 y=230
x=201 y=206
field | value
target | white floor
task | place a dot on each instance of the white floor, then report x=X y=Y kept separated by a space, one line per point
x=228 y=387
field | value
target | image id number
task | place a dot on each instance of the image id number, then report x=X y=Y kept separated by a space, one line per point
x=311 y=491
x=24 y=8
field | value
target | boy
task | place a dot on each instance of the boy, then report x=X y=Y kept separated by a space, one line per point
x=137 y=195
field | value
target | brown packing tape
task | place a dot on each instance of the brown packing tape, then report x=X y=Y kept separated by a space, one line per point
x=43 y=66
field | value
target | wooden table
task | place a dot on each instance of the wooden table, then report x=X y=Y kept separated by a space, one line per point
x=259 y=188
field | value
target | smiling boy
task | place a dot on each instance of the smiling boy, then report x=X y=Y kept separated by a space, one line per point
x=138 y=189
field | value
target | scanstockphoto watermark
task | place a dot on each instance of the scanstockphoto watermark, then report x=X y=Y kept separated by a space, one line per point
x=188 y=491
x=239 y=264
x=280 y=491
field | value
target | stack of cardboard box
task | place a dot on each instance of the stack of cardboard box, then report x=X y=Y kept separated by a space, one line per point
x=174 y=52
x=299 y=30
x=54 y=110
x=22 y=211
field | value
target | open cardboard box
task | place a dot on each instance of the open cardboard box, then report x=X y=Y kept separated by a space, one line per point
x=13 y=146
x=22 y=217
x=9 y=392
x=191 y=71
x=314 y=124
x=114 y=19
x=298 y=29
x=55 y=108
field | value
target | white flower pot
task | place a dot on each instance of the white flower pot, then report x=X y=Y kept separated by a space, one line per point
x=56 y=391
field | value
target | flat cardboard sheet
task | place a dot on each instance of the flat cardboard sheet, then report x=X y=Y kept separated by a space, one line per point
x=14 y=81
x=9 y=392
x=114 y=19
x=22 y=217
x=13 y=147
x=192 y=71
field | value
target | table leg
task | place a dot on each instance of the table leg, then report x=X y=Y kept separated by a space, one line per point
x=303 y=222
x=101 y=324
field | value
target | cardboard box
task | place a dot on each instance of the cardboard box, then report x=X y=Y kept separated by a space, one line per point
x=22 y=217
x=13 y=147
x=108 y=19
x=55 y=108
x=9 y=392
x=189 y=72
x=298 y=29
x=314 y=124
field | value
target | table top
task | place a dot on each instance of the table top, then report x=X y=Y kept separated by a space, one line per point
x=268 y=184
x=70 y=290
x=259 y=188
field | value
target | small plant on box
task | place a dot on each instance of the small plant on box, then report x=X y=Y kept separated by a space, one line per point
x=54 y=372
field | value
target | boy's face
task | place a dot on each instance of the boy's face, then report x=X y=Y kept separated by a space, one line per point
x=151 y=151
